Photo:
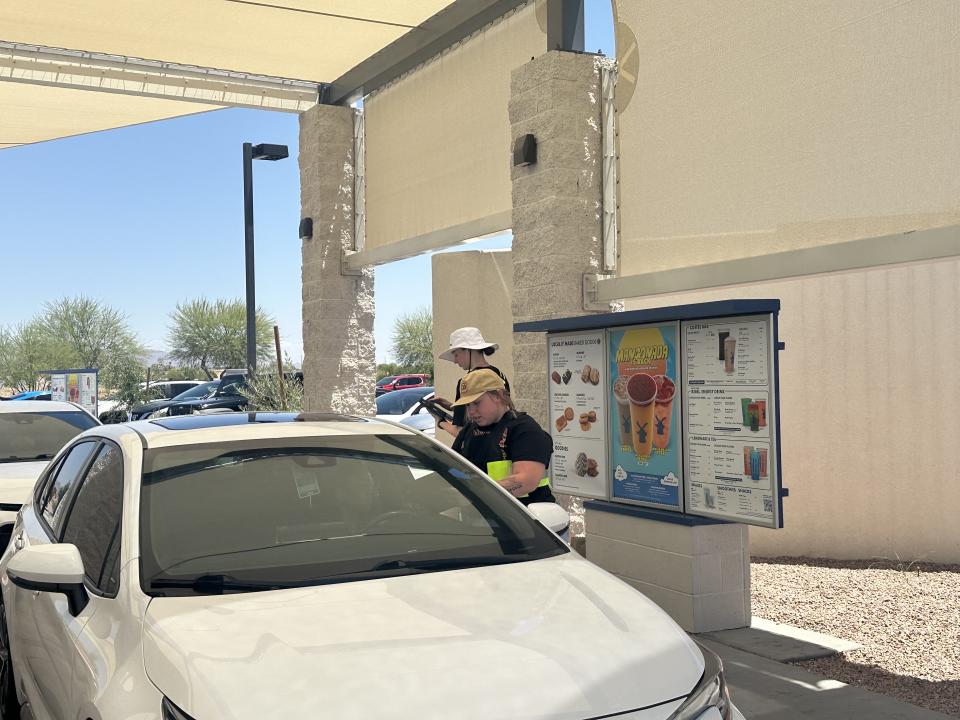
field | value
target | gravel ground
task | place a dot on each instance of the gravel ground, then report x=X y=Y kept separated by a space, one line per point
x=906 y=617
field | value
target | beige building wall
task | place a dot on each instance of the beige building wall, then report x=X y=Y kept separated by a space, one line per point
x=753 y=127
x=471 y=288
x=870 y=416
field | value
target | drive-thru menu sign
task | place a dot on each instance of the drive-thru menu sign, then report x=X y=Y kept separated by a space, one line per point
x=729 y=405
x=577 y=393
x=674 y=409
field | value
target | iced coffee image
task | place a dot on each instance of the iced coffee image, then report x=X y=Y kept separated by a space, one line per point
x=729 y=354
x=642 y=392
x=663 y=411
x=623 y=410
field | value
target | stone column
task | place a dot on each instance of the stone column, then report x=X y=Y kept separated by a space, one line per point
x=556 y=205
x=339 y=363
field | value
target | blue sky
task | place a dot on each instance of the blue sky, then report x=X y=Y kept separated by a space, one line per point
x=145 y=216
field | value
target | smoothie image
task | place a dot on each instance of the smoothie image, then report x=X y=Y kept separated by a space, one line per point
x=755 y=465
x=753 y=413
x=747 y=449
x=763 y=462
x=623 y=410
x=642 y=391
x=744 y=405
x=663 y=411
x=729 y=354
x=762 y=412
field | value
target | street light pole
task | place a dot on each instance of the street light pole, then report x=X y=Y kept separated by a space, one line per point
x=248 y=258
x=250 y=153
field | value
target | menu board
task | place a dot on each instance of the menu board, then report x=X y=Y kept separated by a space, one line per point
x=645 y=429
x=74 y=386
x=577 y=392
x=729 y=415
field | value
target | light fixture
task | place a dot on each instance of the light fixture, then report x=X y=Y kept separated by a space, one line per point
x=306 y=228
x=524 y=150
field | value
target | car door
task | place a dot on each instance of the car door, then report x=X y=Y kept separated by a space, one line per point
x=94 y=526
x=34 y=638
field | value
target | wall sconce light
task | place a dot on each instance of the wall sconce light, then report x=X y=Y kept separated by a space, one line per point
x=306 y=228
x=524 y=150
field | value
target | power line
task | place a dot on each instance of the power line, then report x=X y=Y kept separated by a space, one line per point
x=324 y=14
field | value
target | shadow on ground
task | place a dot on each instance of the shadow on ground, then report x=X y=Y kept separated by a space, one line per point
x=942 y=696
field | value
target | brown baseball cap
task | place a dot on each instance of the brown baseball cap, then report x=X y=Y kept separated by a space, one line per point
x=476 y=382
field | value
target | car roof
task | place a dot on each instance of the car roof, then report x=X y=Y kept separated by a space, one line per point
x=418 y=390
x=237 y=426
x=44 y=406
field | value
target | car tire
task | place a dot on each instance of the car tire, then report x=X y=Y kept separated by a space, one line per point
x=9 y=705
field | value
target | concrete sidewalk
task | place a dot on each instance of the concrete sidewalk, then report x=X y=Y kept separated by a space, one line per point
x=763 y=688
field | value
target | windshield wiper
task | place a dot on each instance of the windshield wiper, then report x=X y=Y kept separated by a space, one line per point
x=414 y=566
x=219 y=584
x=15 y=458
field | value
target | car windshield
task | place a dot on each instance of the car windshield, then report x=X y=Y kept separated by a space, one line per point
x=203 y=390
x=307 y=511
x=386 y=381
x=399 y=401
x=232 y=385
x=39 y=435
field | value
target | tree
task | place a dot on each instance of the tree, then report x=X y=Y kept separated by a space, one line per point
x=214 y=334
x=95 y=335
x=413 y=340
x=27 y=349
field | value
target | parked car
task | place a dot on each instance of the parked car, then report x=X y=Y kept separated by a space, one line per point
x=32 y=395
x=400 y=382
x=32 y=432
x=403 y=406
x=229 y=395
x=255 y=565
x=197 y=392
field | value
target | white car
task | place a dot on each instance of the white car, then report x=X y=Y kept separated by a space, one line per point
x=32 y=432
x=273 y=565
x=404 y=407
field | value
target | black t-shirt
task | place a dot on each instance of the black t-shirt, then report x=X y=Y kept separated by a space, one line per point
x=460 y=411
x=517 y=436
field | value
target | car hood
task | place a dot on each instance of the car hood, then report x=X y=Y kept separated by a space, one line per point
x=17 y=480
x=555 y=638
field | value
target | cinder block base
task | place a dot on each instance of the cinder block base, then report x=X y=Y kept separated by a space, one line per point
x=699 y=574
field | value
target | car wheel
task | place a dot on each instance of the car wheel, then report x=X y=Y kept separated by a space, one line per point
x=9 y=705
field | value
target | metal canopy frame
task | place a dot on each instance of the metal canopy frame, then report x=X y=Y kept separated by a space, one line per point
x=454 y=23
x=449 y=26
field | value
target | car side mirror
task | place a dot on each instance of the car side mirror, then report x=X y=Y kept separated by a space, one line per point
x=551 y=515
x=51 y=568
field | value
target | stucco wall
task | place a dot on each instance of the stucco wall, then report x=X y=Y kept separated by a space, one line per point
x=754 y=126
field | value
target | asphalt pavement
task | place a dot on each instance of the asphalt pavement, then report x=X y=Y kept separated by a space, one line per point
x=763 y=688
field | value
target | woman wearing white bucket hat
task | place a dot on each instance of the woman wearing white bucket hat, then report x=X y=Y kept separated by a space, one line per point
x=469 y=350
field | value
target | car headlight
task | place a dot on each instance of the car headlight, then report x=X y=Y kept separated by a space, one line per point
x=710 y=692
x=162 y=412
x=172 y=712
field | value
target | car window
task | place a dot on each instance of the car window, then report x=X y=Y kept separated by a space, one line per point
x=398 y=402
x=232 y=385
x=202 y=390
x=60 y=491
x=287 y=512
x=178 y=388
x=39 y=435
x=385 y=381
x=93 y=524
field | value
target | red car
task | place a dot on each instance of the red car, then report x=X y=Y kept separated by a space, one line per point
x=398 y=382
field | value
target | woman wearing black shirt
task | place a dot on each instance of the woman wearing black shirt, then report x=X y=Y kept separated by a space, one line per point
x=508 y=445
x=469 y=350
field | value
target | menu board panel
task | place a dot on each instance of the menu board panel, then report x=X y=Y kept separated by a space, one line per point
x=645 y=428
x=728 y=401
x=578 y=412
x=77 y=387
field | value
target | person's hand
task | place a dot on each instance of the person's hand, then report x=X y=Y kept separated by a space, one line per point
x=444 y=403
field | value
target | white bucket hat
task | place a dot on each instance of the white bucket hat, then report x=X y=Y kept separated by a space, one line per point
x=468 y=338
